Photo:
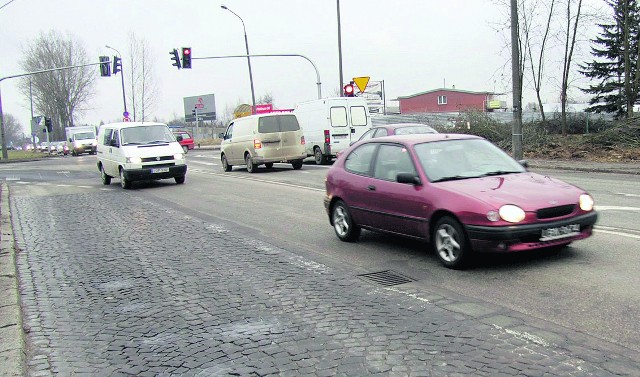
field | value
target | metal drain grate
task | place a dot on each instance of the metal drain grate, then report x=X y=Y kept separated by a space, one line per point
x=386 y=278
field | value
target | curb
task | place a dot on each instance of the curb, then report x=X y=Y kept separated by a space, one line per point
x=12 y=354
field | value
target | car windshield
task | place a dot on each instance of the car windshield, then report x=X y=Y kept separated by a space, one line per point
x=146 y=135
x=461 y=159
x=415 y=130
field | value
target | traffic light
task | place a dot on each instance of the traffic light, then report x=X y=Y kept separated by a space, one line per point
x=349 y=90
x=105 y=67
x=186 y=57
x=117 y=65
x=176 y=58
x=48 y=127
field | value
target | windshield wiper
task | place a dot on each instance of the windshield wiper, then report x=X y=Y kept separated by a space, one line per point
x=157 y=141
x=452 y=178
x=499 y=172
x=132 y=143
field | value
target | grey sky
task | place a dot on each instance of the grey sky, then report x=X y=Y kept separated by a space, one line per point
x=413 y=45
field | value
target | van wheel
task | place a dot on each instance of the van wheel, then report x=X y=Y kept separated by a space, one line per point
x=251 y=168
x=319 y=157
x=124 y=182
x=297 y=164
x=268 y=165
x=225 y=164
x=106 y=180
x=179 y=179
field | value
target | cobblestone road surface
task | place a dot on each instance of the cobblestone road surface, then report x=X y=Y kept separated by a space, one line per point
x=131 y=287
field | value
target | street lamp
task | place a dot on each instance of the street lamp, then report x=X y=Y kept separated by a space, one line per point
x=253 y=95
x=124 y=99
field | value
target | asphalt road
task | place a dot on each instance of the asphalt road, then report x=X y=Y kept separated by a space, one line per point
x=588 y=288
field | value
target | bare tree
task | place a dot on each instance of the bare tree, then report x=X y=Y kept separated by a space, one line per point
x=59 y=95
x=12 y=129
x=573 y=18
x=140 y=70
x=537 y=64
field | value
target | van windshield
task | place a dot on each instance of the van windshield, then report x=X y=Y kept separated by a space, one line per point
x=279 y=123
x=84 y=136
x=146 y=135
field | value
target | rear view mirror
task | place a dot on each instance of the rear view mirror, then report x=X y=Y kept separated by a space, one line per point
x=524 y=163
x=409 y=178
x=179 y=138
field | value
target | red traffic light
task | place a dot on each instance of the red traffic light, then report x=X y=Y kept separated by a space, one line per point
x=186 y=51
x=348 y=90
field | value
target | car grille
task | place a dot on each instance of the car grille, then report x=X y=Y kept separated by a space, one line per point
x=159 y=165
x=153 y=159
x=551 y=212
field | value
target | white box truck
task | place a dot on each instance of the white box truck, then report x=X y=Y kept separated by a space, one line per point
x=330 y=125
x=81 y=139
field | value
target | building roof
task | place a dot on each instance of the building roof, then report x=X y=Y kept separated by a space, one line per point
x=444 y=90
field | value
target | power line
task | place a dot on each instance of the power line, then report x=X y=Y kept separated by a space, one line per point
x=7 y=4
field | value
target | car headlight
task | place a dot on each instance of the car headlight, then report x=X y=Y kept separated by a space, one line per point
x=178 y=156
x=586 y=202
x=511 y=213
x=134 y=160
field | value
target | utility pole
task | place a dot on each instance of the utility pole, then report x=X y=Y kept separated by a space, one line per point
x=516 y=133
x=340 y=51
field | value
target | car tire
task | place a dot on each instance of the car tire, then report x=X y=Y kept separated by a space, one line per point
x=185 y=149
x=343 y=224
x=225 y=163
x=318 y=156
x=297 y=164
x=124 y=182
x=268 y=165
x=180 y=179
x=450 y=243
x=251 y=168
x=106 y=179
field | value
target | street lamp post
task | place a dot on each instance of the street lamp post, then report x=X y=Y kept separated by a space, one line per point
x=246 y=43
x=124 y=99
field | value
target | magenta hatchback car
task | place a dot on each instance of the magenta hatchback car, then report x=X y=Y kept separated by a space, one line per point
x=459 y=192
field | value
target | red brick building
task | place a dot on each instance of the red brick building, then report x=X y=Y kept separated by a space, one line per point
x=448 y=101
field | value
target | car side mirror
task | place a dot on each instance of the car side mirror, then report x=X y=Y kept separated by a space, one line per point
x=114 y=143
x=524 y=163
x=408 y=178
x=71 y=141
x=179 y=138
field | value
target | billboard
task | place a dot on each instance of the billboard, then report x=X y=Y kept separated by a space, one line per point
x=204 y=104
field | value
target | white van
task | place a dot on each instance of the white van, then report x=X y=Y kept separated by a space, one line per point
x=137 y=151
x=263 y=139
x=331 y=124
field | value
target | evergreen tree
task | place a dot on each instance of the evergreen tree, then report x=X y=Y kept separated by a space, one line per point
x=616 y=78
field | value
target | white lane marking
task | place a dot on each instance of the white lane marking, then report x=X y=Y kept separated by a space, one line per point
x=12 y=179
x=256 y=180
x=600 y=230
x=625 y=194
x=64 y=185
x=616 y=208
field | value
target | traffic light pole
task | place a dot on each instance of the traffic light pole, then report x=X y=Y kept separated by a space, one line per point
x=270 y=55
x=2 y=134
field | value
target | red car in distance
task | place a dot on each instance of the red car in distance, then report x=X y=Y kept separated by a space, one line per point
x=461 y=193
x=187 y=141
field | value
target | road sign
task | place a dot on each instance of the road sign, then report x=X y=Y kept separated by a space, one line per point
x=361 y=82
x=205 y=104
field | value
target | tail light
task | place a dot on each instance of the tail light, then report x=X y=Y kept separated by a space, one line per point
x=257 y=144
x=327 y=137
x=302 y=140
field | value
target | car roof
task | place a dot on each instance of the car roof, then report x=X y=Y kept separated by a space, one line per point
x=421 y=138
x=399 y=125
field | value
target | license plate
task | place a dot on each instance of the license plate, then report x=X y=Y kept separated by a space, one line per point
x=560 y=232
x=159 y=170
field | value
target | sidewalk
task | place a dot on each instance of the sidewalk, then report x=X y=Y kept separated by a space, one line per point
x=587 y=166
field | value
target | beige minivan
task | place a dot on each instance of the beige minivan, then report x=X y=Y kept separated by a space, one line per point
x=263 y=139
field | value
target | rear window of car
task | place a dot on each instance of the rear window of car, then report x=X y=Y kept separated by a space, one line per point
x=185 y=135
x=280 y=123
x=415 y=130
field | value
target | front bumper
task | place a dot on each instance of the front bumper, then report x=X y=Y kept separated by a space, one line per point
x=527 y=237
x=85 y=149
x=146 y=173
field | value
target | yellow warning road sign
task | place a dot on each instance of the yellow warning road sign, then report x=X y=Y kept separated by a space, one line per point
x=361 y=82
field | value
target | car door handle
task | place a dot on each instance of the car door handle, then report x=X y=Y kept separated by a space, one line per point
x=371 y=188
